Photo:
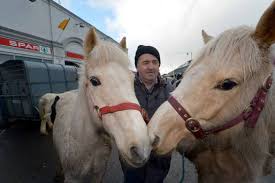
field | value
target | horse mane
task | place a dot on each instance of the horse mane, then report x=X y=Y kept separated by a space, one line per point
x=238 y=40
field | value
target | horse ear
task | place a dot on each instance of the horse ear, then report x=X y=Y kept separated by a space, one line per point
x=90 y=41
x=205 y=37
x=123 y=43
x=265 y=29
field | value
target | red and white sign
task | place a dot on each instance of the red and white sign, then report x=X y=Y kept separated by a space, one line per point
x=74 y=55
x=24 y=45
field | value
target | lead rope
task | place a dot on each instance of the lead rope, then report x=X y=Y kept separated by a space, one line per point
x=182 y=175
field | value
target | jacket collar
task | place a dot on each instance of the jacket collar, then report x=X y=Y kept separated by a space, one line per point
x=160 y=82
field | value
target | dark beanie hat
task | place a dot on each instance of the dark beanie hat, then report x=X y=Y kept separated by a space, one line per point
x=146 y=49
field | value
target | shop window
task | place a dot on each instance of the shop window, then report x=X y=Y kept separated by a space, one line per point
x=48 y=61
x=28 y=59
x=71 y=63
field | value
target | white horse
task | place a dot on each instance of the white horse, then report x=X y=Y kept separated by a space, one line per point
x=46 y=104
x=222 y=113
x=104 y=108
x=44 y=108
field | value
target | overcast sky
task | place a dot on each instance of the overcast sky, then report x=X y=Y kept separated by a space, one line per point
x=172 y=26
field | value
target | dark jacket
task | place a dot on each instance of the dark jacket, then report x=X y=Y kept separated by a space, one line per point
x=157 y=168
x=151 y=100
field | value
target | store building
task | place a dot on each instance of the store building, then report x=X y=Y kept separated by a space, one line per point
x=42 y=30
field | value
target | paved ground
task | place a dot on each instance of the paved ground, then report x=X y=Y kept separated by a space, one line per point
x=28 y=157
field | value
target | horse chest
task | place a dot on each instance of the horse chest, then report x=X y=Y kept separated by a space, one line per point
x=220 y=166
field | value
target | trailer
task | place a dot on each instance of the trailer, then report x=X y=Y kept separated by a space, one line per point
x=23 y=82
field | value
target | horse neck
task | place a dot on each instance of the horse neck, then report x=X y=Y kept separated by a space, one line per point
x=223 y=166
x=226 y=165
x=83 y=120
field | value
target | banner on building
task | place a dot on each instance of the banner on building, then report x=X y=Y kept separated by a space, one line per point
x=62 y=25
x=24 y=45
x=74 y=55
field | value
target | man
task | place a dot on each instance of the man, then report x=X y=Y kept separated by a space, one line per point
x=151 y=91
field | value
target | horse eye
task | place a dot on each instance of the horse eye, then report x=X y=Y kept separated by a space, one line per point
x=227 y=84
x=95 y=81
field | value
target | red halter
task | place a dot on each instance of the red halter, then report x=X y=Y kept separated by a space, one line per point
x=122 y=107
x=249 y=116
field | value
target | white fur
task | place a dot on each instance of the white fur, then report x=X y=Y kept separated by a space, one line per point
x=44 y=107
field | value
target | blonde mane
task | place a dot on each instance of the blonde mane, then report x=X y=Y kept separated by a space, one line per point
x=237 y=40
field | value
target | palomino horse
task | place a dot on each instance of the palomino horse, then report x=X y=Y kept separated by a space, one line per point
x=104 y=108
x=221 y=115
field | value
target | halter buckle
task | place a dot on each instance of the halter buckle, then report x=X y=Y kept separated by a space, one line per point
x=268 y=82
x=195 y=128
x=98 y=111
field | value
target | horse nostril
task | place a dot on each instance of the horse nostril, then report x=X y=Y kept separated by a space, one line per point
x=135 y=153
x=156 y=141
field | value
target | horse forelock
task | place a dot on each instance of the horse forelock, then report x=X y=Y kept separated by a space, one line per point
x=237 y=41
x=105 y=52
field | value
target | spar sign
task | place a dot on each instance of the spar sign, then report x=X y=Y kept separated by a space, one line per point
x=24 y=45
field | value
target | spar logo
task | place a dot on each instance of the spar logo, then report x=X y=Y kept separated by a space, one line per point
x=24 y=45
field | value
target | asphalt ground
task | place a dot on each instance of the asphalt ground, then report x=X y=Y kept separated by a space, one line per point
x=28 y=157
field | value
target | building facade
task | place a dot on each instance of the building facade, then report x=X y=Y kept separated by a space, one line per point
x=33 y=30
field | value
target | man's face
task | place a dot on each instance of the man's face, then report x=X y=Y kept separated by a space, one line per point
x=148 y=67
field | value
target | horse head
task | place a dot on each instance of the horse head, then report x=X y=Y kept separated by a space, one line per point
x=217 y=88
x=109 y=88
